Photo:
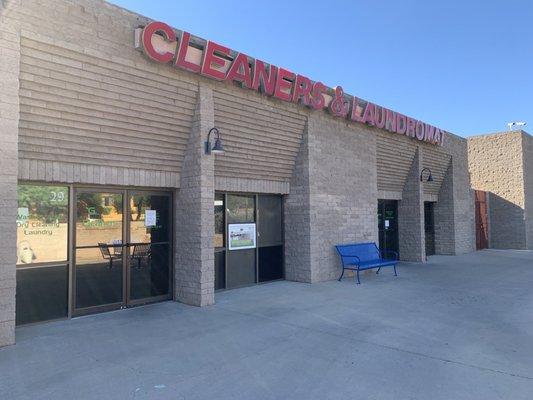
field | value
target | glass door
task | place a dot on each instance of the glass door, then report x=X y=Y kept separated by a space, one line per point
x=270 y=237
x=122 y=249
x=388 y=225
x=248 y=239
x=240 y=258
x=149 y=246
x=99 y=255
x=429 y=227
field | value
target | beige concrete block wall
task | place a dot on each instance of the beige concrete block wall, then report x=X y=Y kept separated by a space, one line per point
x=527 y=145
x=93 y=109
x=80 y=105
x=496 y=165
x=297 y=218
x=90 y=101
x=195 y=221
x=9 y=116
x=462 y=195
x=411 y=215
x=333 y=197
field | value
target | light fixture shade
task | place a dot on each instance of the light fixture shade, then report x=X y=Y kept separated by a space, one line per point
x=429 y=178
x=217 y=148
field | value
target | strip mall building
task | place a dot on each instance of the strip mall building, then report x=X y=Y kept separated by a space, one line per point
x=111 y=198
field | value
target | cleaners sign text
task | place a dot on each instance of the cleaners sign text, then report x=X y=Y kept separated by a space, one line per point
x=161 y=44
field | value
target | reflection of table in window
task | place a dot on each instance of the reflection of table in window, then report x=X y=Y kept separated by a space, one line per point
x=141 y=252
x=117 y=247
x=106 y=254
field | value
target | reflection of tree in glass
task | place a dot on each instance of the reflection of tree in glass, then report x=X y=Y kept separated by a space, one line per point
x=93 y=205
x=139 y=203
x=89 y=205
x=240 y=208
x=46 y=203
x=219 y=219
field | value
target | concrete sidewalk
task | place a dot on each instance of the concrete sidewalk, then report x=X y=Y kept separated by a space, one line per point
x=455 y=328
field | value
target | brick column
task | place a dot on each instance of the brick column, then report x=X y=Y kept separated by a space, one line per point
x=297 y=219
x=411 y=215
x=455 y=210
x=444 y=220
x=195 y=222
x=332 y=197
x=9 y=116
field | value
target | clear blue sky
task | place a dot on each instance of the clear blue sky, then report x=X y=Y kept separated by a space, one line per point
x=465 y=66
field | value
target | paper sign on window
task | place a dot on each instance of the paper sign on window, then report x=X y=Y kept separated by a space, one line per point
x=241 y=236
x=150 y=218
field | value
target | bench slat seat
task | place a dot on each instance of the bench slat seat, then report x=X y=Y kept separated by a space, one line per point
x=363 y=256
x=375 y=264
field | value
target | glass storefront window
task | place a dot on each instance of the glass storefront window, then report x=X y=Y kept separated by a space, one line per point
x=42 y=237
x=99 y=218
x=42 y=224
x=146 y=230
x=241 y=209
x=219 y=220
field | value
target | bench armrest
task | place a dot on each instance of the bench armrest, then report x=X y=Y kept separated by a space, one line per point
x=393 y=253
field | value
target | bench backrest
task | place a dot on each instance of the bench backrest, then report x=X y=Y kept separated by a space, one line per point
x=364 y=252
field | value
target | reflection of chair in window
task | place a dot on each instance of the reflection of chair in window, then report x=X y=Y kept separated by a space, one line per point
x=106 y=254
x=141 y=252
x=117 y=247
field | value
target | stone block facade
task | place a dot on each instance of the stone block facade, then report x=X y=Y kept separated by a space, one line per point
x=81 y=106
x=332 y=198
x=455 y=210
x=411 y=215
x=500 y=164
x=9 y=118
x=195 y=221
x=527 y=146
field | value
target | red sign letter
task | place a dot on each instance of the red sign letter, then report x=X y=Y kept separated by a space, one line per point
x=240 y=71
x=318 y=99
x=211 y=59
x=355 y=115
x=390 y=121
x=401 y=123
x=410 y=127
x=368 y=116
x=302 y=89
x=429 y=133
x=151 y=29
x=379 y=117
x=182 y=54
x=264 y=81
x=419 y=129
x=284 y=81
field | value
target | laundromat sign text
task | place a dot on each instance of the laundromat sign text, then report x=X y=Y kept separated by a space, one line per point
x=161 y=44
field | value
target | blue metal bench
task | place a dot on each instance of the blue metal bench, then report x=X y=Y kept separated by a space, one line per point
x=361 y=256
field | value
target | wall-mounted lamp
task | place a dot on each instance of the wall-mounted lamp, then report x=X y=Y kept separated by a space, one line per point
x=429 y=178
x=217 y=148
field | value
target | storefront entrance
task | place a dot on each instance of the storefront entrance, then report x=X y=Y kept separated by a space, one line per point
x=482 y=220
x=429 y=227
x=248 y=239
x=122 y=249
x=388 y=225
